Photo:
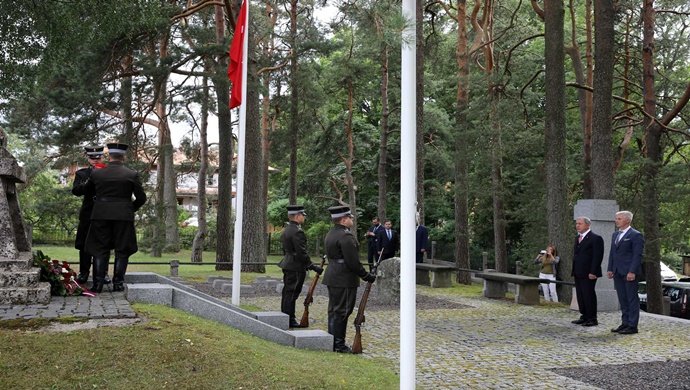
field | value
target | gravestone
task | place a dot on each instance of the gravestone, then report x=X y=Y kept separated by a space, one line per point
x=388 y=281
x=19 y=280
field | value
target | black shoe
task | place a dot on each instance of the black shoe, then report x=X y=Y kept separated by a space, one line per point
x=118 y=287
x=342 y=349
x=83 y=278
x=106 y=279
x=628 y=330
x=619 y=328
x=295 y=324
x=579 y=321
x=590 y=323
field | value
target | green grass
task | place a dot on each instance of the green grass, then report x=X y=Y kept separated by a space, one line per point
x=179 y=351
x=194 y=273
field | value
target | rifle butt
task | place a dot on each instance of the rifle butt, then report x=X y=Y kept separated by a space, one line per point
x=357 y=344
x=304 y=321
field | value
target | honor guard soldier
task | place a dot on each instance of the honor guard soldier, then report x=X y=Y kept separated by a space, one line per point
x=342 y=275
x=112 y=219
x=295 y=261
x=94 y=155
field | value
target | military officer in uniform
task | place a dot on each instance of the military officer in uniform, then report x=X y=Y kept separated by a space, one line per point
x=94 y=155
x=295 y=261
x=342 y=275
x=112 y=219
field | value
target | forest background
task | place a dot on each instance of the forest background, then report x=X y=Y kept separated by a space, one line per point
x=515 y=122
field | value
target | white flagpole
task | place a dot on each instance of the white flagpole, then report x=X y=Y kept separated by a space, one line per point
x=239 y=197
x=408 y=198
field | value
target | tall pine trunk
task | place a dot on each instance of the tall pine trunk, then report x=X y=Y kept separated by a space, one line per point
x=202 y=230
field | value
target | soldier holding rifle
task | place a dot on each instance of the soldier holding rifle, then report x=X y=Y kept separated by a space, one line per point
x=342 y=275
x=295 y=261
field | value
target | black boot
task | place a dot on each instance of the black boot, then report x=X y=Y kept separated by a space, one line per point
x=119 y=271
x=84 y=267
x=339 y=338
x=100 y=265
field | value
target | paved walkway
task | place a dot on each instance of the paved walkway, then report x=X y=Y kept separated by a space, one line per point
x=484 y=344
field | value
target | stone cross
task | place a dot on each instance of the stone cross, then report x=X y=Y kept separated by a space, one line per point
x=19 y=281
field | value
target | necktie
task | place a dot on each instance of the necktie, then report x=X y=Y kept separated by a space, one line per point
x=389 y=234
x=618 y=238
x=579 y=239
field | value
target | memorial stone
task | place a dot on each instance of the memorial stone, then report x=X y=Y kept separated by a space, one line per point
x=19 y=280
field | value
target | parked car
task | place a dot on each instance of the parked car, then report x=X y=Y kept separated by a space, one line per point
x=667 y=274
x=678 y=292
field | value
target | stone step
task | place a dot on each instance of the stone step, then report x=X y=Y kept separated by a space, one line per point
x=20 y=278
x=25 y=295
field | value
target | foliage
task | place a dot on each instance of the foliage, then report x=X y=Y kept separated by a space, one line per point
x=48 y=205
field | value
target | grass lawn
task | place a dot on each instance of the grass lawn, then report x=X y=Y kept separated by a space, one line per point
x=175 y=350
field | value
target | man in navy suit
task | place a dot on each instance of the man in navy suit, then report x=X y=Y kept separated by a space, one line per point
x=587 y=257
x=387 y=240
x=371 y=240
x=625 y=264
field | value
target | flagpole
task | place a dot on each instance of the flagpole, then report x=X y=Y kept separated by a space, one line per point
x=408 y=197
x=239 y=197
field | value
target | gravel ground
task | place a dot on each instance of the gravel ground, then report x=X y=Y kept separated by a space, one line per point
x=638 y=376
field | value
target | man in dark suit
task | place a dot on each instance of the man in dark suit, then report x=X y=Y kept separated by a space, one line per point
x=625 y=264
x=371 y=241
x=587 y=257
x=295 y=262
x=112 y=219
x=387 y=240
x=422 y=242
x=94 y=155
x=342 y=274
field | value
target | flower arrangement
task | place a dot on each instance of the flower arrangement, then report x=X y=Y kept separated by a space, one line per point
x=61 y=277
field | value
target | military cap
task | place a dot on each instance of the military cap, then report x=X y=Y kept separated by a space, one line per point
x=339 y=211
x=117 y=148
x=93 y=151
x=294 y=209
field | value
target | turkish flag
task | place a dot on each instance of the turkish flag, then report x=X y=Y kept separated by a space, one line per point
x=236 y=57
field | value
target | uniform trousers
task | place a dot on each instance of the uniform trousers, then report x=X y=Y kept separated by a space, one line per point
x=341 y=303
x=292 y=287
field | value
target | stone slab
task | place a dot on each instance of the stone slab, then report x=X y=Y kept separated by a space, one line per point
x=274 y=318
x=226 y=288
x=154 y=293
x=313 y=339
x=16 y=295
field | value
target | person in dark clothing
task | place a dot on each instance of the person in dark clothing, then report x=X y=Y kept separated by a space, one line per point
x=94 y=155
x=295 y=262
x=371 y=241
x=342 y=274
x=588 y=254
x=387 y=241
x=112 y=219
x=422 y=242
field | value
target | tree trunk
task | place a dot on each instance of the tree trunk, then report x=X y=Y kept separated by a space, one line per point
x=383 y=141
x=224 y=230
x=651 y=166
x=604 y=49
x=349 y=159
x=294 y=103
x=419 y=54
x=126 y=95
x=555 y=136
x=254 y=218
x=202 y=231
x=500 y=250
x=462 y=251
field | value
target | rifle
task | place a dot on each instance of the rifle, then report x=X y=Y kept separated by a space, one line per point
x=304 y=321
x=359 y=320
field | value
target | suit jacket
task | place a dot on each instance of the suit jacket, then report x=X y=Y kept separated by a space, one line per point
x=79 y=188
x=422 y=236
x=371 y=240
x=294 y=248
x=114 y=186
x=383 y=243
x=588 y=255
x=626 y=256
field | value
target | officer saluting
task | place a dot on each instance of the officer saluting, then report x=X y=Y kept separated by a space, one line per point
x=342 y=275
x=112 y=219
x=295 y=261
x=81 y=177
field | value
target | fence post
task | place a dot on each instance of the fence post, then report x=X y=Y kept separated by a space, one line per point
x=518 y=267
x=433 y=249
x=174 y=266
x=485 y=261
